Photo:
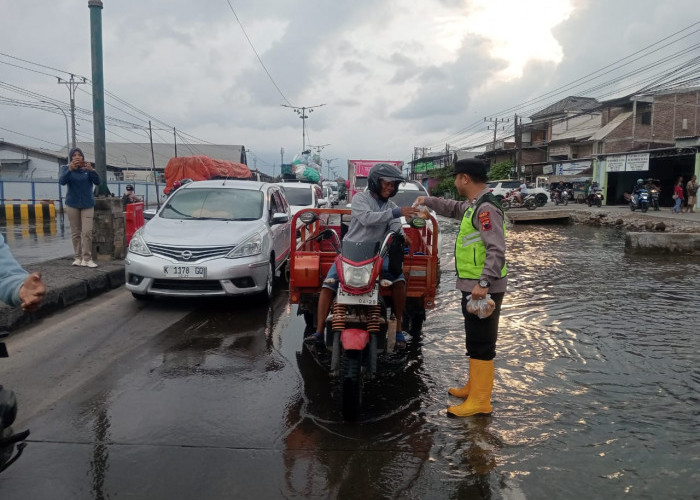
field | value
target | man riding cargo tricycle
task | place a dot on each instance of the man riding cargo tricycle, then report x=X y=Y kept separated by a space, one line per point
x=358 y=343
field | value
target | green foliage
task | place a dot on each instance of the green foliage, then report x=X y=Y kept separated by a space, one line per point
x=501 y=170
x=446 y=189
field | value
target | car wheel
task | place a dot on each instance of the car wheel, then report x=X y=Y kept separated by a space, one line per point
x=269 y=282
x=541 y=199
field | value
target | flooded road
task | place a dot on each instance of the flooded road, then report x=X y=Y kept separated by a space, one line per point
x=596 y=394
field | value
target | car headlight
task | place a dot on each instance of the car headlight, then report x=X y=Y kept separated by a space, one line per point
x=251 y=246
x=137 y=245
x=357 y=276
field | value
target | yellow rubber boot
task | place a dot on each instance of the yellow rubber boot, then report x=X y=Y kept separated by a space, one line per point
x=479 y=400
x=461 y=392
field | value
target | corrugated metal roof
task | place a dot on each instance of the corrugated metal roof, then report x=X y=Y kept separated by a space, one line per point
x=571 y=103
x=135 y=155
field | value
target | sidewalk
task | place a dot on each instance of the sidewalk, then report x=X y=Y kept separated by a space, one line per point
x=66 y=285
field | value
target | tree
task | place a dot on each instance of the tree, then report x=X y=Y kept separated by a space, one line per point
x=501 y=170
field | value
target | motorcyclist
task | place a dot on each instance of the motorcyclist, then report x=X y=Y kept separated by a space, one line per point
x=521 y=192
x=559 y=189
x=373 y=216
x=636 y=188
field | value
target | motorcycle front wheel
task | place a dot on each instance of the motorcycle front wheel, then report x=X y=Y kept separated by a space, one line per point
x=352 y=384
x=599 y=202
x=565 y=201
x=530 y=204
x=645 y=208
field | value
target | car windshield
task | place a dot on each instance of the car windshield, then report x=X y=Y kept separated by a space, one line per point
x=299 y=196
x=360 y=183
x=214 y=203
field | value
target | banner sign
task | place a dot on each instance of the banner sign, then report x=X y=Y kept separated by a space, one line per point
x=615 y=163
x=572 y=168
x=637 y=162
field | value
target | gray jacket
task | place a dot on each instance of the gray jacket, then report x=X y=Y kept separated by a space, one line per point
x=372 y=219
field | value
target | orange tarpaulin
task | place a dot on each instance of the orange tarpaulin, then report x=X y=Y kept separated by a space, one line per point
x=202 y=168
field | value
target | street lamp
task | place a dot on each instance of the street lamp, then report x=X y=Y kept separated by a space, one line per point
x=66 y=117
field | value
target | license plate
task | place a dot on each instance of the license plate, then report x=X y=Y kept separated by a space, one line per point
x=185 y=272
x=366 y=299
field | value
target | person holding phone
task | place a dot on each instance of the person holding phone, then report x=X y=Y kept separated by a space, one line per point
x=80 y=176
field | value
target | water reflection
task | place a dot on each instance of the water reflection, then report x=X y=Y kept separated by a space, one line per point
x=596 y=361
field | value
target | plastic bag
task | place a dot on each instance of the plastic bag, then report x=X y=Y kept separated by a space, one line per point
x=481 y=307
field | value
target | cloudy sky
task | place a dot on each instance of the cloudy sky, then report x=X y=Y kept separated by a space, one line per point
x=391 y=75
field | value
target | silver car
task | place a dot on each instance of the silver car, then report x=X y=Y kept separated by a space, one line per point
x=212 y=238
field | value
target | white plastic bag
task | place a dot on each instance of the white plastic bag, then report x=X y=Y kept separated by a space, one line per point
x=481 y=307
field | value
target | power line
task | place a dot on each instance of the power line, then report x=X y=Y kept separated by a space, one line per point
x=257 y=55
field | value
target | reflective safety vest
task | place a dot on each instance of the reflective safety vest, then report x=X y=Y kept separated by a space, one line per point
x=470 y=251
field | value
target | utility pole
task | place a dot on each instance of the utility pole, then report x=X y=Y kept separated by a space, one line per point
x=281 y=157
x=72 y=84
x=495 y=122
x=518 y=145
x=98 y=96
x=175 y=141
x=301 y=111
x=328 y=166
x=153 y=162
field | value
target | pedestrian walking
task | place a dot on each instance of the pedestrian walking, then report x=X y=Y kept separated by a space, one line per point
x=692 y=190
x=80 y=176
x=480 y=258
x=678 y=196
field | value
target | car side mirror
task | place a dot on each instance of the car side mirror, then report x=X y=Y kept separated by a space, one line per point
x=279 y=218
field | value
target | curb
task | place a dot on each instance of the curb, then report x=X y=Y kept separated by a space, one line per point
x=65 y=286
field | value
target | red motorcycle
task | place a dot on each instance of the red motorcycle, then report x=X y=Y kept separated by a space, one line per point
x=360 y=331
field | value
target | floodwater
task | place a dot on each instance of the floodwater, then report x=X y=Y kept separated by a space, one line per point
x=596 y=395
x=33 y=242
x=596 y=389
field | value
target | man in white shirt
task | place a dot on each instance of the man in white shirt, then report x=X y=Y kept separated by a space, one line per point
x=521 y=192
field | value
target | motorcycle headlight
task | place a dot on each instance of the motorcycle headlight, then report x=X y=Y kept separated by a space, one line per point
x=138 y=246
x=251 y=246
x=357 y=276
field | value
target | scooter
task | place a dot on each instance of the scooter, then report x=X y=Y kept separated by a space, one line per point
x=654 y=197
x=640 y=200
x=562 y=196
x=11 y=445
x=595 y=198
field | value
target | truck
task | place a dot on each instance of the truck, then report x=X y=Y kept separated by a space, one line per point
x=358 y=170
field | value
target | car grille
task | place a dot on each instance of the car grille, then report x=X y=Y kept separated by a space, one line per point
x=191 y=254
x=187 y=285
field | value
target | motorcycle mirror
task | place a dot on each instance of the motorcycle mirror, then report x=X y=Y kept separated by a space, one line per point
x=308 y=218
x=417 y=222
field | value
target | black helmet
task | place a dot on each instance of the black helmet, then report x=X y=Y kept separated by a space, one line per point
x=385 y=171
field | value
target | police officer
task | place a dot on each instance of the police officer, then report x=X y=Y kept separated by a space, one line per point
x=480 y=258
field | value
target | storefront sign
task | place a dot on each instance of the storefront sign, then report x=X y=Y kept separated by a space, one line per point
x=637 y=162
x=572 y=168
x=615 y=163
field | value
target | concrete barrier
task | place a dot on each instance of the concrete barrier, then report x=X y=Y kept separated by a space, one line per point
x=679 y=243
x=16 y=210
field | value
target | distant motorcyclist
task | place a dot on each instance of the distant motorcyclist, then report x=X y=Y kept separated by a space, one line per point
x=559 y=190
x=521 y=192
